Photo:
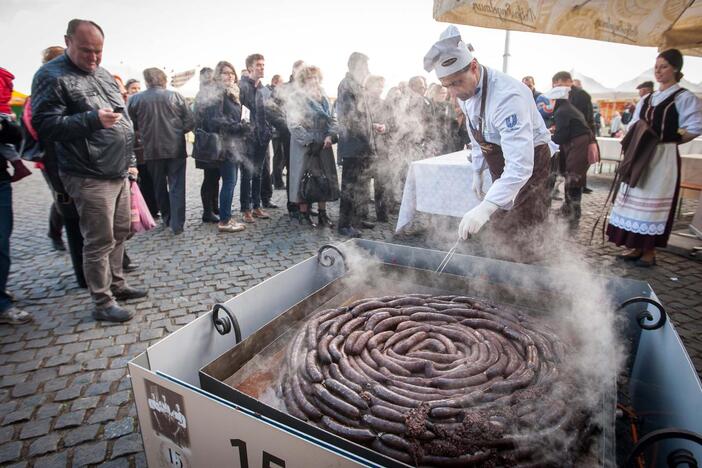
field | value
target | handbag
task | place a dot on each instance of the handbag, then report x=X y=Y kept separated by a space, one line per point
x=207 y=146
x=141 y=219
x=315 y=186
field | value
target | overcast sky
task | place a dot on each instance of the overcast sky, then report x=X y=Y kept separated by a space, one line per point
x=180 y=35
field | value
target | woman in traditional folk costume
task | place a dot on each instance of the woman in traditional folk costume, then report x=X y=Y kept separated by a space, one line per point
x=642 y=217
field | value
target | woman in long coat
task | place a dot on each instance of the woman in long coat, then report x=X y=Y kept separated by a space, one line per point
x=642 y=217
x=313 y=130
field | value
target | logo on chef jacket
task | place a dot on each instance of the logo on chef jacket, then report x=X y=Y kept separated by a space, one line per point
x=167 y=412
x=511 y=121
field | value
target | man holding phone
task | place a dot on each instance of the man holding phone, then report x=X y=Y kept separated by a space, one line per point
x=77 y=106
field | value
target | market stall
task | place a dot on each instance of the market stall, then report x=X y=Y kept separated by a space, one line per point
x=192 y=411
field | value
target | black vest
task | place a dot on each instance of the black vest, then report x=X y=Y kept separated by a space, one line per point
x=662 y=118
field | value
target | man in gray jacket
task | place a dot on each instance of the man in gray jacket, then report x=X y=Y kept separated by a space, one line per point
x=77 y=106
x=162 y=118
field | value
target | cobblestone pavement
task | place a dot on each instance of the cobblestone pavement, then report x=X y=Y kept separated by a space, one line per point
x=65 y=396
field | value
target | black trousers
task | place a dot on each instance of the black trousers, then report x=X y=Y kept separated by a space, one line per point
x=354 y=191
x=65 y=206
x=146 y=186
x=266 y=179
x=169 y=184
x=279 y=161
x=209 y=191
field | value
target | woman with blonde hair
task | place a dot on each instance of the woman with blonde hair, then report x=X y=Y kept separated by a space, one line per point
x=313 y=130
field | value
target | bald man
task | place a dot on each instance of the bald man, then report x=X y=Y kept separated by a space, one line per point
x=77 y=105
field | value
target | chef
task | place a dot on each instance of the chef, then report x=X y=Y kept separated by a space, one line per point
x=508 y=138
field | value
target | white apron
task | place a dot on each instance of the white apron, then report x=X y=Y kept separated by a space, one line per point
x=645 y=209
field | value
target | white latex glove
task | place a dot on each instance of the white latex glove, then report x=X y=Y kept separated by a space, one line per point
x=476 y=219
x=478 y=182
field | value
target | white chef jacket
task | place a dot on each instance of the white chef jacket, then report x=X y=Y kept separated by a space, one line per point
x=688 y=105
x=511 y=121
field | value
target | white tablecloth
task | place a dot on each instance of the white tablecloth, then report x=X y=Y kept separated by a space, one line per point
x=440 y=185
x=611 y=148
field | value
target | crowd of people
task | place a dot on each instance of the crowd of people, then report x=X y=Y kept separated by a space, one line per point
x=95 y=134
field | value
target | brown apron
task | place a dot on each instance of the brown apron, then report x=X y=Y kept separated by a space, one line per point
x=531 y=204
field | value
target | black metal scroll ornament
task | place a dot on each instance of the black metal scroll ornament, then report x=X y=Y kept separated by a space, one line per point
x=677 y=456
x=645 y=315
x=327 y=260
x=224 y=323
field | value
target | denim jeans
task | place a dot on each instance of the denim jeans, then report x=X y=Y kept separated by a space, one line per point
x=251 y=168
x=228 y=171
x=5 y=232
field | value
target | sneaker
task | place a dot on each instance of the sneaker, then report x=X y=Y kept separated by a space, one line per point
x=130 y=293
x=15 y=316
x=269 y=204
x=231 y=226
x=113 y=313
x=247 y=218
x=259 y=213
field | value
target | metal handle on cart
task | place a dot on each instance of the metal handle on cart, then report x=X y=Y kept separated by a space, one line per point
x=656 y=436
x=225 y=323
x=645 y=314
x=326 y=260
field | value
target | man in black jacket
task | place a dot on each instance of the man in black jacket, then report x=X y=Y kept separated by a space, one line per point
x=356 y=145
x=78 y=106
x=255 y=185
x=162 y=118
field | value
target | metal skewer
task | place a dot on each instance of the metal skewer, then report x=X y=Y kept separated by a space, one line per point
x=447 y=258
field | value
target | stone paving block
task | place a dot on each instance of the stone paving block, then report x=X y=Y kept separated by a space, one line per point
x=52 y=461
x=22 y=414
x=127 y=445
x=85 y=403
x=103 y=414
x=24 y=389
x=99 y=388
x=10 y=451
x=70 y=369
x=36 y=428
x=48 y=443
x=28 y=366
x=69 y=393
x=80 y=434
x=57 y=384
x=6 y=434
x=59 y=360
x=96 y=364
x=119 y=428
x=70 y=420
x=49 y=410
x=11 y=380
x=112 y=351
x=89 y=454
x=118 y=398
x=112 y=375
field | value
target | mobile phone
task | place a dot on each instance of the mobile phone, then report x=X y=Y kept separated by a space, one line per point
x=118 y=109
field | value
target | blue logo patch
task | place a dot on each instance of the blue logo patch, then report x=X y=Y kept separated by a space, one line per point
x=511 y=121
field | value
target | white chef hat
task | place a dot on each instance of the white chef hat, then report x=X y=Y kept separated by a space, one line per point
x=558 y=92
x=449 y=54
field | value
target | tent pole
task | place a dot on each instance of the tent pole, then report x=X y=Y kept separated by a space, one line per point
x=505 y=57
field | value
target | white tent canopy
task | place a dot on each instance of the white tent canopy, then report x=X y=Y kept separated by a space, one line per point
x=592 y=86
x=628 y=88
